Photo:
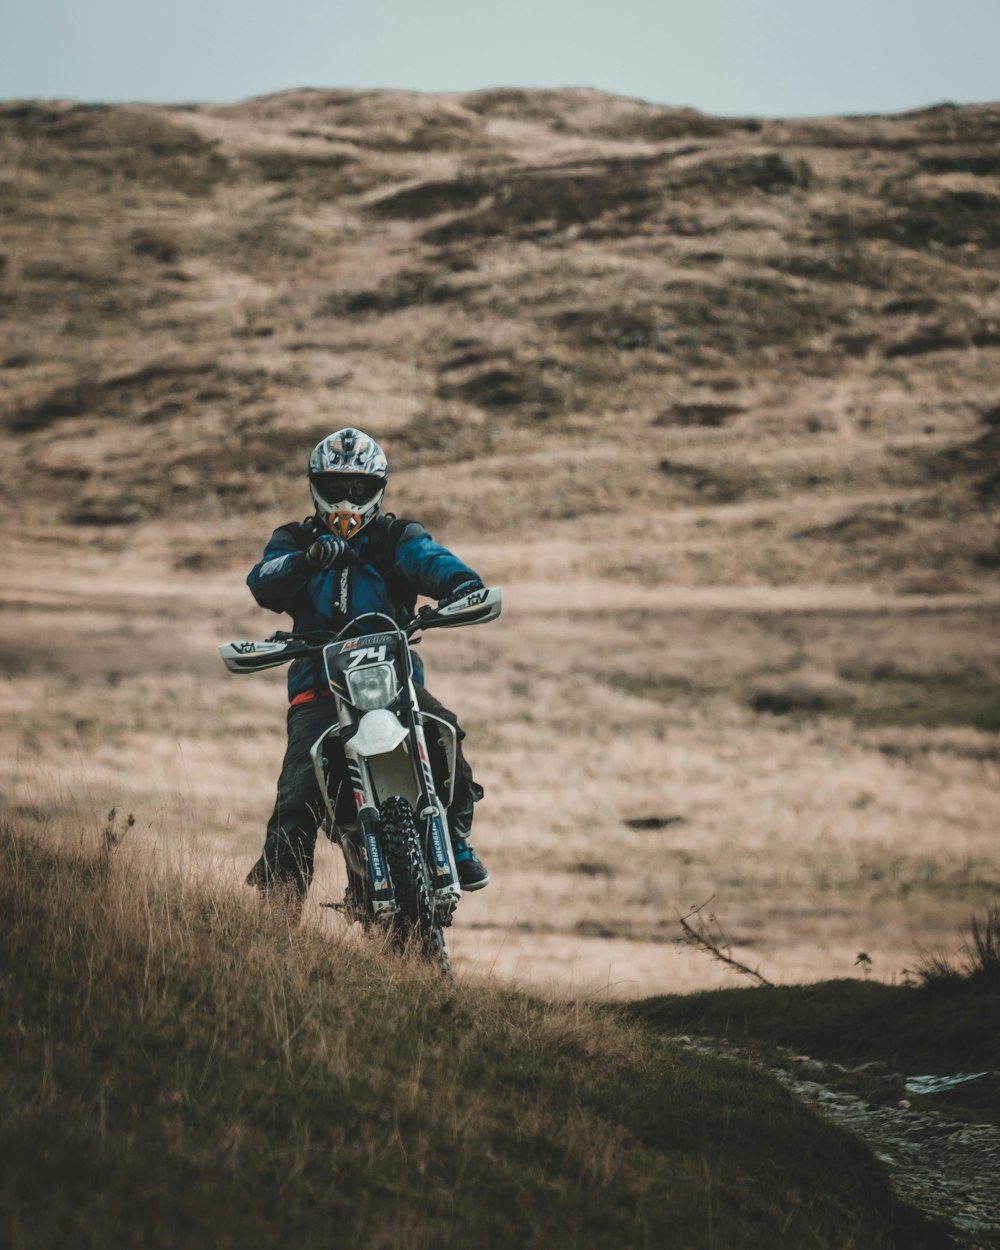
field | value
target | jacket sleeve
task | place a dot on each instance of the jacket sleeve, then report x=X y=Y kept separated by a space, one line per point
x=431 y=569
x=278 y=579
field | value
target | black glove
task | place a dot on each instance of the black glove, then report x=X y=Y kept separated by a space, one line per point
x=465 y=588
x=328 y=552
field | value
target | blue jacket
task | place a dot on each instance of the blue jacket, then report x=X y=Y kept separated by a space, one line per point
x=395 y=561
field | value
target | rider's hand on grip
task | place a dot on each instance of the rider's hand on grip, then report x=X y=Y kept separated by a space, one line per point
x=466 y=588
x=328 y=552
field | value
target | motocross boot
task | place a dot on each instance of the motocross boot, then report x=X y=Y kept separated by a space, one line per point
x=472 y=874
x=286 y=898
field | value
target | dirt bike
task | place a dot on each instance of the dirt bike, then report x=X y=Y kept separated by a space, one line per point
x=401 y=871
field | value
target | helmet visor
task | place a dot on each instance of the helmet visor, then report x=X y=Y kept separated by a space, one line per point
x=355 y=488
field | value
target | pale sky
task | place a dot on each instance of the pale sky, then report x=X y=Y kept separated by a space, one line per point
x=765 y=57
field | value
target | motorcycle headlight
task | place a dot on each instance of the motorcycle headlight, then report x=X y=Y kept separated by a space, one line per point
x=371 y=686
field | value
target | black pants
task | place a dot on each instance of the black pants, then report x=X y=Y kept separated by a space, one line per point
x=299 y=809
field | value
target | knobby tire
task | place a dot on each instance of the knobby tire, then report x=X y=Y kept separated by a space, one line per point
x=411 y=879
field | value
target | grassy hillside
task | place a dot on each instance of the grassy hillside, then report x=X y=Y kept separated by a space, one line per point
x=794 y=317
x=715 y=400
x=178 y=1068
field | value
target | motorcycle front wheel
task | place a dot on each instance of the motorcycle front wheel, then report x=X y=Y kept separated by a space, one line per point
x=415 y=922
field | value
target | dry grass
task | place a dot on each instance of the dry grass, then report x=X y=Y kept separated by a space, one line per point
x=978 y=961
x=178 y=1065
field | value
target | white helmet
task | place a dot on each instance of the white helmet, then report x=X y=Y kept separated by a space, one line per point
x=348 y=473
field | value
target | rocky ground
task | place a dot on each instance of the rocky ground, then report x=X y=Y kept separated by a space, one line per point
x=945 y=1165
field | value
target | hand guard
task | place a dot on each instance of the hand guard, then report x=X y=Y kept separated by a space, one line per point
x=328 y=552
x=465 y=588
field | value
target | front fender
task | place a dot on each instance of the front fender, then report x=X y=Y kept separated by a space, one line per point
x=378 y=733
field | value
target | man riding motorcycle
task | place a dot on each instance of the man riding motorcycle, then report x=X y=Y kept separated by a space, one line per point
x=346 y=560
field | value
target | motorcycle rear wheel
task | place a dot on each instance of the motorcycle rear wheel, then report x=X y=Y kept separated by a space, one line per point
x=415 y=922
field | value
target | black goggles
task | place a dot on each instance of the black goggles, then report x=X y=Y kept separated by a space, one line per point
x=354 y=488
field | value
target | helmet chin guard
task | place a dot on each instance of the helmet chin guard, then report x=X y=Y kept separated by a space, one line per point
x=346 y=524
x=348 y=474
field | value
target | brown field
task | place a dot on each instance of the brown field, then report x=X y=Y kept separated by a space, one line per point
x=716 y=402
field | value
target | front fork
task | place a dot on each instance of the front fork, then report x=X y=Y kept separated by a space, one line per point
x=447 y=890
x=380 y=888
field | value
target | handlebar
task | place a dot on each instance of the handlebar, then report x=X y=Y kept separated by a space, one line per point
x=283 y=646
x=479 y=605
x=317 y=639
